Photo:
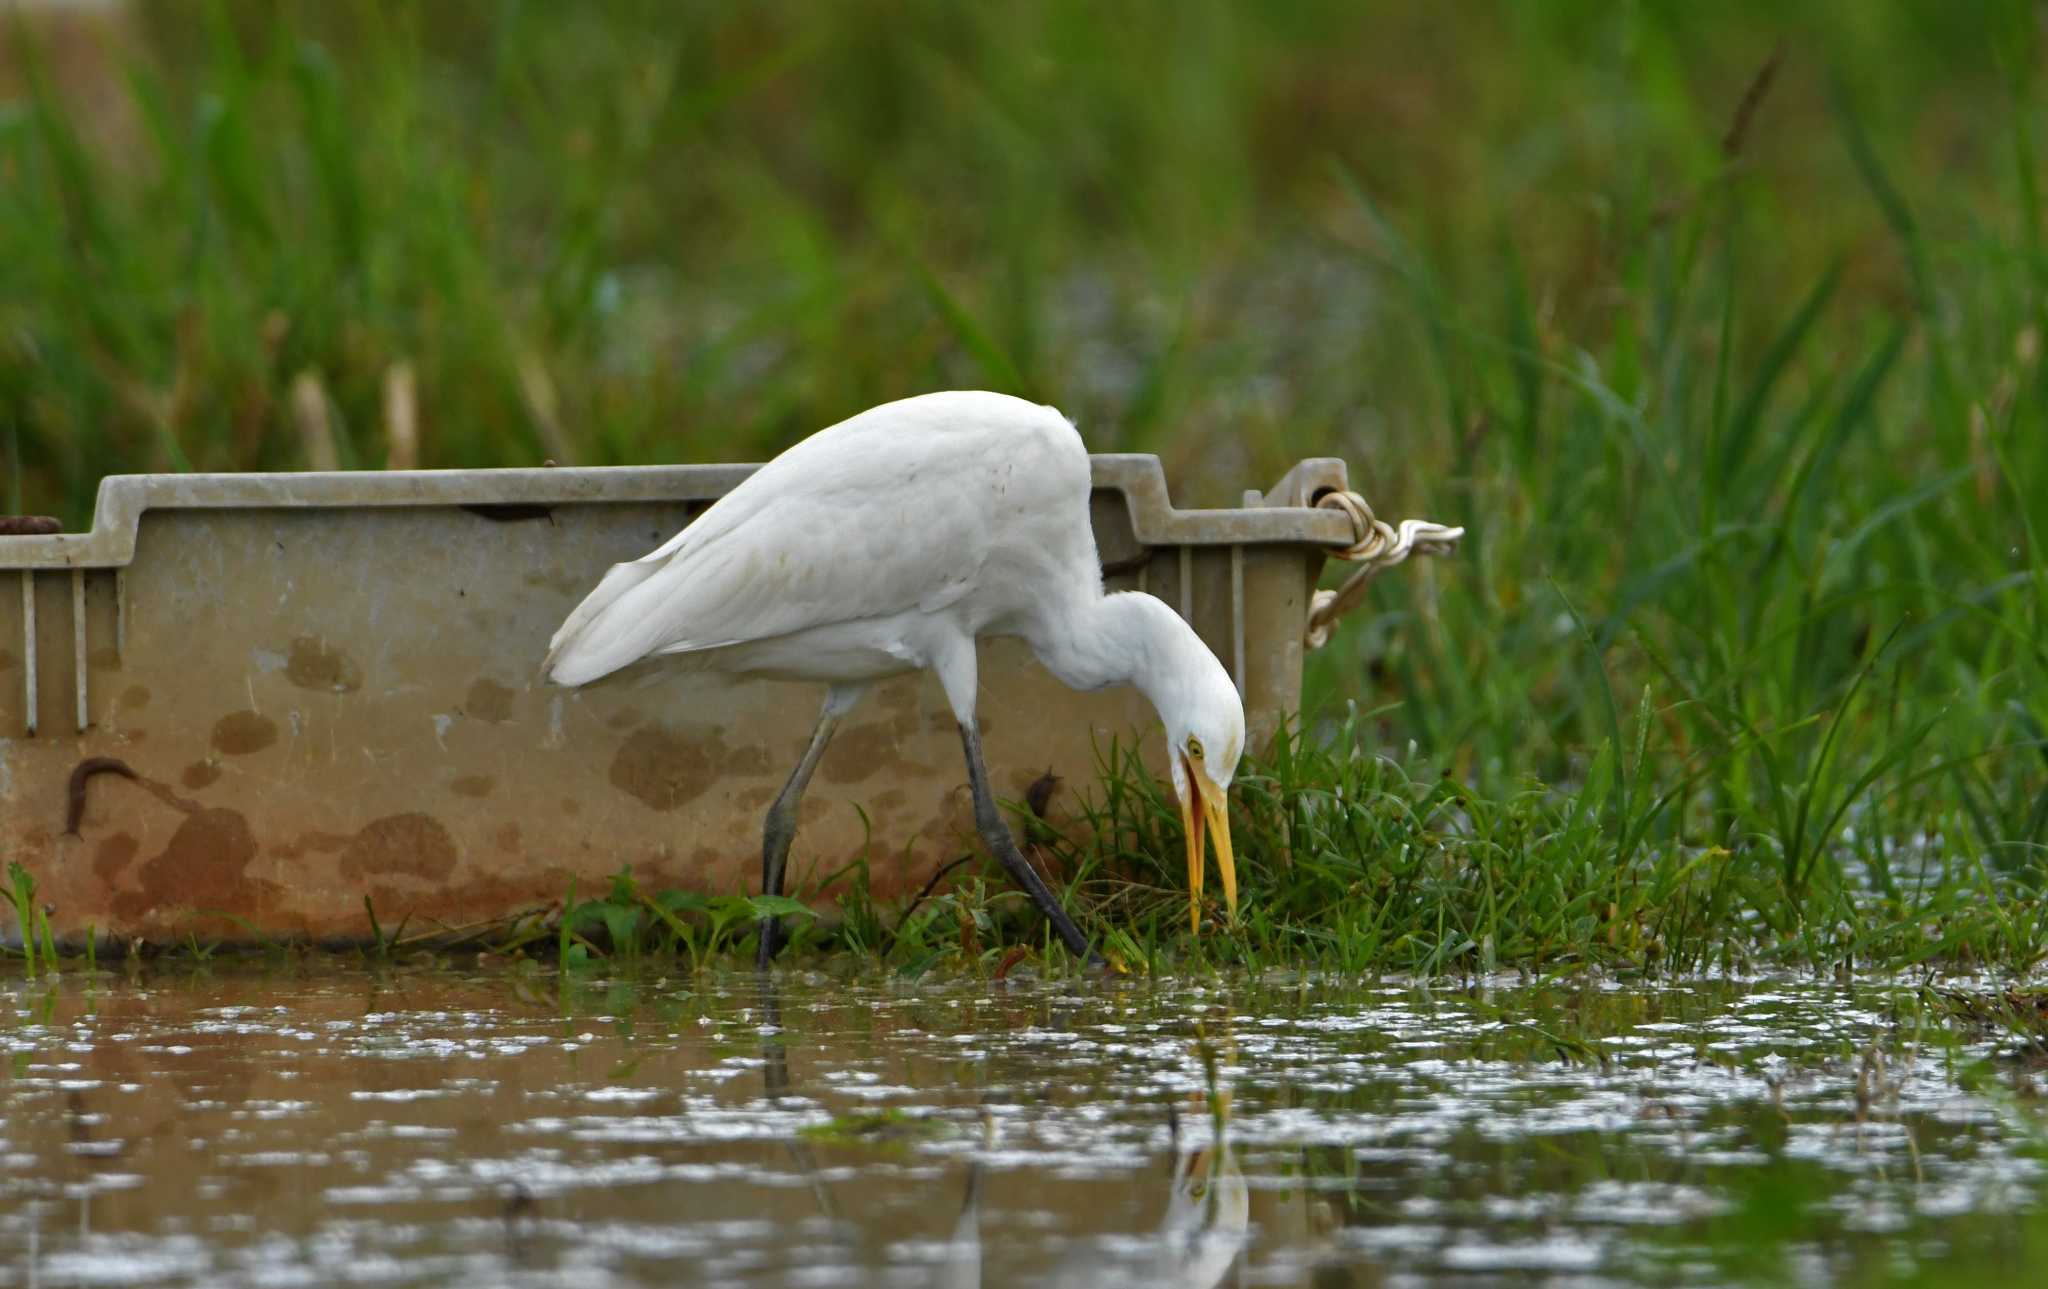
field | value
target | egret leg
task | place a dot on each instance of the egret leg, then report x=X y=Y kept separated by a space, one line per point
x=779 y=829
x=995 y=834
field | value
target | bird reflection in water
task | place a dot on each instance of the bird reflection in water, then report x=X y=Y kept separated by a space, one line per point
x=1208 y=1207
x=775 y=1086
x=1208 y=1210
x=1197 y=1241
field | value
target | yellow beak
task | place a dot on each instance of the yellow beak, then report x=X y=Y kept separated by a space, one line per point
x=1214 y=811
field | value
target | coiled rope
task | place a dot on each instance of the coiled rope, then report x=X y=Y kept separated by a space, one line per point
x=1376 y=547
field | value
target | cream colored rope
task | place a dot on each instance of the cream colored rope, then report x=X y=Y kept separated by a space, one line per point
x=1377 y=547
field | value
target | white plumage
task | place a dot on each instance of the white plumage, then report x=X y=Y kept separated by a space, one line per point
x=890 y=542
x=961 y=505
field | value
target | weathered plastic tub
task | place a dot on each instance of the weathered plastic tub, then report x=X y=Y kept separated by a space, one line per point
x=242 y=703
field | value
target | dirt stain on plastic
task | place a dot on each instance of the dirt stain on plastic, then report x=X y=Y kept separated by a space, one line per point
x=459 y=902
x=199 y=774
x=113 y=855
x=326 y=842
x=81 y=775
x=313 y=664
x=409 y=845
x=663 y=770
x=203 y=867
x=859 y=752
x=473 y=785
x=135 y=698
x=241 y=733
x=488 y=701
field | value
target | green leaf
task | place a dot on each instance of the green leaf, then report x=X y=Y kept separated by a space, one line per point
x=776 y=906
x=1776 y=360
x=681 y=901
x=622 y=923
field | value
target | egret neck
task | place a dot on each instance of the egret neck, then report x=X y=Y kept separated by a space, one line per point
x=1131 y=638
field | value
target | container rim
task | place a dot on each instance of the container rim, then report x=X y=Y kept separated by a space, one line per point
x=1286 y=517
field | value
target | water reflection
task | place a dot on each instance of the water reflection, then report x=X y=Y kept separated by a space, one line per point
x=1207 y=1223
x=1208 y=1211
x=1207 y=1215
x=960 y=1266
x=437 y=1126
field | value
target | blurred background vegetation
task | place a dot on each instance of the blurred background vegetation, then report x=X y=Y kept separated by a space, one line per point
x=1718 y=325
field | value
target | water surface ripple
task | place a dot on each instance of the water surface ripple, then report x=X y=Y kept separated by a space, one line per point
x=431 y=1126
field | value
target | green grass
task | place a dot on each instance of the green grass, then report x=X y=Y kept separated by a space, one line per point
x=1736 y=382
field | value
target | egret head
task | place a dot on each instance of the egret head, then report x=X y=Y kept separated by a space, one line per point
x=1204 y=737
x=1130 y=637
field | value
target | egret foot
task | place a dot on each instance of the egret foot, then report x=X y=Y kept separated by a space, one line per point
x=779 y=829
x=995 y=835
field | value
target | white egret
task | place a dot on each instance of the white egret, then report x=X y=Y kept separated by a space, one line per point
x=889 y=543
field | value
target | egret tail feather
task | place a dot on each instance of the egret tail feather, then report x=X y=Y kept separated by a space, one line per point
x=580 y=651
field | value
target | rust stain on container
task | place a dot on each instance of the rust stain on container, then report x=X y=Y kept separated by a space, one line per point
x=488 y=701
x=199 y=774
x=473 y=785
x=135 y=698
x=81 y=775
x=409 y=845
x=202 y=868
x=316 y=665
x=241 y=733
x=662 y=769
x=114 y=855
x=458 y=902
x=326 y=842
x=857 y=754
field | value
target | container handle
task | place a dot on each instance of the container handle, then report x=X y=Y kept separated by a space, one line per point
x=1376 y=547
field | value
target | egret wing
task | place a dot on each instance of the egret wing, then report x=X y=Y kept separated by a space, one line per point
x=838 y=529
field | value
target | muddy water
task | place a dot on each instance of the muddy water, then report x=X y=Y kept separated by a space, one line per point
x=431 y=1126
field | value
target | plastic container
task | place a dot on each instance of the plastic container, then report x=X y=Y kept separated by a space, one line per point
x=243 y=703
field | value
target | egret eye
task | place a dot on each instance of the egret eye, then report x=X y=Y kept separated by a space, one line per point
x=1194 y=747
